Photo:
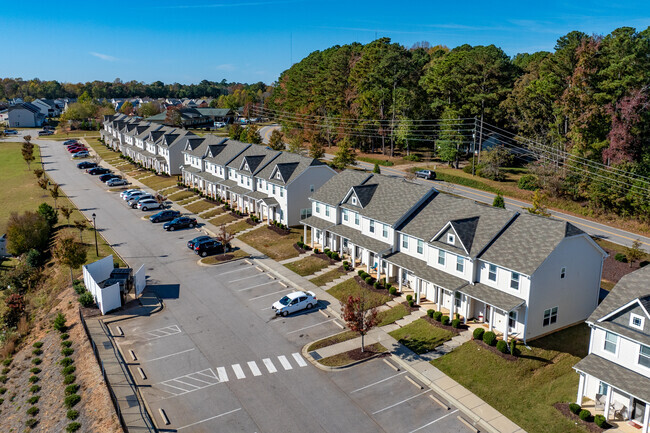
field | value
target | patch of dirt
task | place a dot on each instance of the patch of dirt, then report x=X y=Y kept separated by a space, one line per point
x=96 y=411
x=563 y=408
x=358 y=355
x=613 y=270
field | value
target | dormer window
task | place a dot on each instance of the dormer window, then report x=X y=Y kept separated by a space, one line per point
x=278 y=176
x=354 y=201
x=451 y=239
x=637 y=321
x=246 y=167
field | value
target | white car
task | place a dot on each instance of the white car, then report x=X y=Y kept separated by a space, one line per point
x=127 y=192
x=295 y=301
x=148 y=204
x=134 y=194
x=117 y=182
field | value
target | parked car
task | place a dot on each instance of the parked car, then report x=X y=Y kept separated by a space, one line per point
x=149 y=204
x=426 y=174
x=134 y=194
x=165 y=215
x=75 y=149
x=69 y=142
x=197 y=240
x=11 y=132
x=97 y=171
x=116 y=182
x=133 y=202
x=108 y=176
x=82 y=154
x=45 y=132
x=295 y=301
x=128 y=191
x=180 y=223
x=49 y=128
x=209 y=247
x=86 y=165
x=219 y=124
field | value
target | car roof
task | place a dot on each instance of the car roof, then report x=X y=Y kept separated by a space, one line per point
x=296 y=294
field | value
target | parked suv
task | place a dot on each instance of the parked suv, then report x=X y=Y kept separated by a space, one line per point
x=166 y=215
x=133 y=194
x=146 y=204
x=97 y=171
x=197 y=240
x=426 y=174
x=180 y=223
x=209 y=247
x=133 y=202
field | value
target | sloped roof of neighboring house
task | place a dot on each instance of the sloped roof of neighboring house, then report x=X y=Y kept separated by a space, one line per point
x=215 y=112
x=146 y=129
x=256 y=156
x=290 y=166
x=232 y=150
x=535 y=235
x=390 y=199
x=334 y=190
x=616 y=375
x=26 y=106
x=160 y=117
x=474 y=223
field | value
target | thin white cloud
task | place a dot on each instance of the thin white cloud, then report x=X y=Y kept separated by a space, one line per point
x=105 y=57
x=226 y=67
x=229 y=4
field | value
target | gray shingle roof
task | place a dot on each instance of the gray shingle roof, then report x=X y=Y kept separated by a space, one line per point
x=232 y=150
x=616 y=375
x=492 y=296
x=290 y=166
x=357 y=238
x=319 y=223
x=259 y=157
x=536 y=236
x=335 y=189
x=428 y=273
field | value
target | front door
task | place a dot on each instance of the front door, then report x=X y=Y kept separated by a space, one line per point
x=638 y=411
x=486 y=319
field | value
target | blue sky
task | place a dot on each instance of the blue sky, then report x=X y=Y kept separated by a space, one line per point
x=255 y=40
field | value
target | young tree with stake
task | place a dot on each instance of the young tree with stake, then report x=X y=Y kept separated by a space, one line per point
x=358 y=316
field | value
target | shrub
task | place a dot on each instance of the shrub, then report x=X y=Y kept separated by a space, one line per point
x=5 y=370
x=575 y=408
x=66 y=343
x=72 y=414
x=34 y=370
x=369 y=280
x=411 y=303
x=2 y=400
x=490 y=338
x=33 y=379
x=437 y=316
x=31 y=422
x=600 y=421
x=388 y=286
x=70 y=378
x=430 y=312
x=71 y=389
x=59 y=322
x=412 y=157
x=65 y=362
x=513 y=347
x=38 y=344
x=502 y=346
x=455 y=323
x=478 y=333
x=316 y=251
x=67 y=351
x=392 y=291
x=32 y=411
x=86 y=300
x=3 y=390
x=528 y=182
x=79 y=289
x=360 y=272
x=36 y=361
x=345 y=263
x=620 y=257
x=37 y=352
x=7 y=362
x=72 y=427
x=68 y=370
x=445 y=320
x=64 y=336
x=71 y=400
x=376 y=285
x=336 y=256
x=34 y=389
x=364 y=275
x=409 y=297
x=33 y=399
x=584 y=414
x=3 y=379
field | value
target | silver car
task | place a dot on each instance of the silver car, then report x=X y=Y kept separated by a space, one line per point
x=133 y=202
x=123 y=194
x=134 y=194
x=146 y=204
x=117 y=182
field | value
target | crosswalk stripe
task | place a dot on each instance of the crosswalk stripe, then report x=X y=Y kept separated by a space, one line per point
x=285 y=362
x=223 y=375
x=269 y=365
x=301 y=362
x=256 y=371
x=238 y=371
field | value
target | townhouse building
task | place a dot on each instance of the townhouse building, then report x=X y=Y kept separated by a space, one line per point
x=523 y=275
x=616 y=372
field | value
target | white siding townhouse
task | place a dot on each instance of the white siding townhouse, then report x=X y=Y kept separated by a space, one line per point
x=24 y=115
x=523 y=275
x=271 y=184
x=47 y=106
x=616 y=372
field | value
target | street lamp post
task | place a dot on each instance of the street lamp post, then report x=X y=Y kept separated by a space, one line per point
x=95 y=230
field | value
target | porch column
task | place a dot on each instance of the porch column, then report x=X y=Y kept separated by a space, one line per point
x=313 y=232
x=506 y=319
x=418 y=288
x=608 y=402
x=354 y=254
x=491 y=318
x=466 y=313
x=367 y=254
x=646 y=419
x=304 y=231
x=378 y=267
x=400 y=275
x=268 y=221
x=452 y=309
x=439 y=297
x=581 y=389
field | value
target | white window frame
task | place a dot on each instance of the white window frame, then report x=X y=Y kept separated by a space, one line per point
x=354 y=201
x=641 y=319
x=371 y=226
x=512 y=317
x=615 y=342
x=515 y=282
x=551 y=315
x=356 y=218
x=345 y=214
x=451 y=239
x=420 y=247
x=645 y=356
x=281 y=192
x=562 y=273
x=327 y=210
x=384 y=230
x=317 y=207
x=460 y=264
x=441 y=257
x=490 y=273
x=405 y=241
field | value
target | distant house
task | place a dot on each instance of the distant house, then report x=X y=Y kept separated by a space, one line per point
x=225 y=115
x=47 y=106
x=24 y=115
x=191 y=118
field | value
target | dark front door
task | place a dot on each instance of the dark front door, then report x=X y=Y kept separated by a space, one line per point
x=638 y=411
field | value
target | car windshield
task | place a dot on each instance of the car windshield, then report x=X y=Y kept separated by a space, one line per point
x=285 y=300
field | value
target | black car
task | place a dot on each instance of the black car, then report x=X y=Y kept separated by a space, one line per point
x=180 y=223
x=98 y=170
x=208 y=247
x=69 y=142
x=194 y=242
x=108 y=176
x=86 y=164
x=165 y=215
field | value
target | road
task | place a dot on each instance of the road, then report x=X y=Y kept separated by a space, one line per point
x=216 y=358
x=593 y=228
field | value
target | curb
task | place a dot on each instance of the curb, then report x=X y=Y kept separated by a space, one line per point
x=220 y=263
x=320 y=366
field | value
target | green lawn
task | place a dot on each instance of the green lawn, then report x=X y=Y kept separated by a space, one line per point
x=307 y=266
x=223 y=219
x=238 y=227
x=421 y=336
x=180 y=195
x=391 y=316
x=334 y=339
x=200 y=206
x=327 y=277
x=351 y=288
x=278 y=247
x=159 y=182
x=524 y=390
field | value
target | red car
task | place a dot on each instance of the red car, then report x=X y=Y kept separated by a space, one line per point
x=75 y=149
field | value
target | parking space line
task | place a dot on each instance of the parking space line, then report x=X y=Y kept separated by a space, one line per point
x=434 y=421
x=161 y=332
x=223 y=375
x=400 y=402
x=301 y=362
x=377 y=383
x=191 y=376
x=172 y=386
x=167 y=356
x=285 y=362
x=254 y=369
x=209 y=419
x=188 y=384
x=311 y=326
x=238 y=371
x=211 y=376
x=239 y=269
x=257 y=285
x=269 y=365
x=268 y=294
x=245 y=278
x=178 y=383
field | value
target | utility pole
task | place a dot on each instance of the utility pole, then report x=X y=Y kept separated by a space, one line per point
x=480 y=138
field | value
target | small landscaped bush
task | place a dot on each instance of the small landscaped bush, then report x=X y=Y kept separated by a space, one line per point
x=437 y=316
x=445 y=320
x=71 y=389
x=64 y=336
x=67 y=351
x=38 y=344
x=409 y=297
x=32 y=411
x=36 y=361
x=3 y=390
x=5 y=370
x=528 y=182
x=600 y=421
x=360 y=272
x=59 y=322
x=70 y=378
x=412 y=157
x=336 y=256
x=34 y=389
x=79 y=288
x=490 y=338
x=65 y=362
x=455 y=323
x=411 y=303
x=72 y=414
x=68 y=370
x=478 y=333
x=620 y=257
x=66 y=343
x=37 y=352
x=575 y=408
x=33 y=399
x=376 y=285
x=86 y=300
x=430 y=312
x=71 y=400
x=513 y=347
x=72 y=427
x=33 y=379
x=502 y=346
x=369 y=280
x=7 y=362
x=584 y=414
x=3 y=379
x=31 y=422
x=392 y=291
x=316 y=251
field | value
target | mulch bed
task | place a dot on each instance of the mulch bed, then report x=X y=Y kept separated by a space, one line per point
x=410 y=309
x=456 y=331
x=238 y=216
x=358 y=355
x=251 y=222
x=301 y=250
x=278 y=230
x=563 y=408
x=506 y=356
x=223 y=257
x=371 y=287
x=325 y=257
x=613 y=270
